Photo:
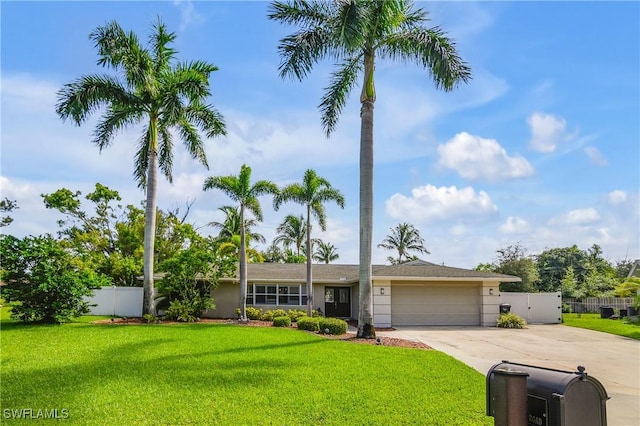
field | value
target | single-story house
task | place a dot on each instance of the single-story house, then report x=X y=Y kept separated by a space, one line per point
x=413 y=293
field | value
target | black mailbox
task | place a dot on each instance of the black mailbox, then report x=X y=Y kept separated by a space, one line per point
x=555 y=397
x=505 y=308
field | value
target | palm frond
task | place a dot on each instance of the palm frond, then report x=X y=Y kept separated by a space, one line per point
x=142 y=158
x=300 y=12
x=430 y=49
x=159 y=39
x=116 y=118
x=253 y=205
x=227 y=184
x=165 y=151
x=293 y=192
x=88 y=93
x=207 y=118
x=192 y=142
x=300 y=51
x=336 y=94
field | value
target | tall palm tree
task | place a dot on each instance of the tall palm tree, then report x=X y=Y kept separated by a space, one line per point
x=292 y=232
x=230 y=226
x=403 y=238
x=152 y=88
x=353 y=33
x=313 y=192
x=240 y=190
x=326 y=252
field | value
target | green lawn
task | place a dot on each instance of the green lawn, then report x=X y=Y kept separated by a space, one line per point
x=606 y=325
x=229 y=375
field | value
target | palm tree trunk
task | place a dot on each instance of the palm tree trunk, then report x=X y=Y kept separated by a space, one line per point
x=366 y=328
x=148 y=305
x=309 y=276
x=243 y=268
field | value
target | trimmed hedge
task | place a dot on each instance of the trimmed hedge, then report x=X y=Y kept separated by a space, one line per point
x=511 y=320
x=309 y=324
x=333 y=326
x=295 y=314
x=282 y=321
x=273 y=313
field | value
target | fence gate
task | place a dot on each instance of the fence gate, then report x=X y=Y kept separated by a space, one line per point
x=535 y=308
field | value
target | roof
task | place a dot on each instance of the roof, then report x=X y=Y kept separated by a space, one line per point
x=335 y=273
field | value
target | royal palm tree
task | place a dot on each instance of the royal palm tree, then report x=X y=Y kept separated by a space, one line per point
x=312 y=193
x=353 y=33
x=240 y=190
x=151 y=88
x=230 y=226
x=291 y=232
x=404 y=238
x=326 y=252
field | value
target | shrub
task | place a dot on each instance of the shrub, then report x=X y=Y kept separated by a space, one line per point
x=271 y=314
x=511 y=320
x=252 y=313
x=44 y=279
x=566 y=308
x=295 y=314
x=333 y=326
x=316 y=313
x=284 y=321
x=635 y=320
x=309 y=324
x=183 y=310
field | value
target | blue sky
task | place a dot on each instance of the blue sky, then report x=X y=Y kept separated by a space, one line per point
x=541 y=148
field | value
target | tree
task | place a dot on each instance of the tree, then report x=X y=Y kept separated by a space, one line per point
x=353 y=33
x=230 y=226
x=7 y=206
x=291 y=232
x=312 y=193
x=240 y=190
x=515 y=260
x=44 y=279
x=155 y=91
x=326 y=253
x=404 y=238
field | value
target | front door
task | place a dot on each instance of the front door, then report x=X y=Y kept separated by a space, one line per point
x=337 y=302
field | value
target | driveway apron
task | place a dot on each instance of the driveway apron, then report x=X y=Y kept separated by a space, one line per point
x=613 y=360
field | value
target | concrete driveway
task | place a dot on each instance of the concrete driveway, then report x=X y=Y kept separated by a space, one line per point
x=613 y=360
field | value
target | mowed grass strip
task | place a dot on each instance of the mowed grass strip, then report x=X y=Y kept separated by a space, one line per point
x=224 y=374
x=606 y=325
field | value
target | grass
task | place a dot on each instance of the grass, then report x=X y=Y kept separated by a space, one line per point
x=606 y=325
x=224 y=374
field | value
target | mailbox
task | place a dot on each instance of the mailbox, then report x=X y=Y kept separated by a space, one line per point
x=554 y=397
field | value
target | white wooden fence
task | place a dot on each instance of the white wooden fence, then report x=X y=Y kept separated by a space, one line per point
x=116 y=301
x=535 y=308
x=592 y=304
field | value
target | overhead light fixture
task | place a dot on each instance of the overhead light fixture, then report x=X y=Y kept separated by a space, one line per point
x=381 y=290
x=490 y=292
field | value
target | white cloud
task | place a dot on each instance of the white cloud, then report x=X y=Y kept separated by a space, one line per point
x=585 y=216
x=476 y=158
x=547 y=131
x=596 y=156
x=515 y=225
x=188 y=13
x=429 y=204
x=617 y=197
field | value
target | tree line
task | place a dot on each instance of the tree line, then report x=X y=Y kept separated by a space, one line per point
x=575 y=272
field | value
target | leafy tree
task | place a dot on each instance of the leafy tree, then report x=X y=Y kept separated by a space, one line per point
x=353 y=33
x=231 y=250
x=404 y=238
x=7 y=206
x=230 y=226
x=190 y=277
x=623 y=267
x=291 y=232
x=157 y=91
x=569 y=284
x=484 y=267
x=273 y=254
x=630 y=287
x=312 y=193
x=44 y=279
x=326 y=253
x=515 y=260
x=240 y=189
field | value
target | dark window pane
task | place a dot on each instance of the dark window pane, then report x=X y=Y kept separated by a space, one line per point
x=294 y=289
x=271 y=289
x=304 y=300
x=271 y=299
x=283 y=300
x=260 y=299
x=260 y=289
x=249 y=300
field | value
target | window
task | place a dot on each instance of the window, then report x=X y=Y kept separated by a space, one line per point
x=277 y=294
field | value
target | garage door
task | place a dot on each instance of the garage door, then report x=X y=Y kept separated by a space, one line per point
x=435 y=305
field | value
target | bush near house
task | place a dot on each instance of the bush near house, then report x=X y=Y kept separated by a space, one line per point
x=284 y=321
x=272 y=313
x=511 y=320
x=333 y=326
x=295 y=314
x=308 y=324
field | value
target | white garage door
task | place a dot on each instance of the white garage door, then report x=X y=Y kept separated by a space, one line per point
x=435 y=305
